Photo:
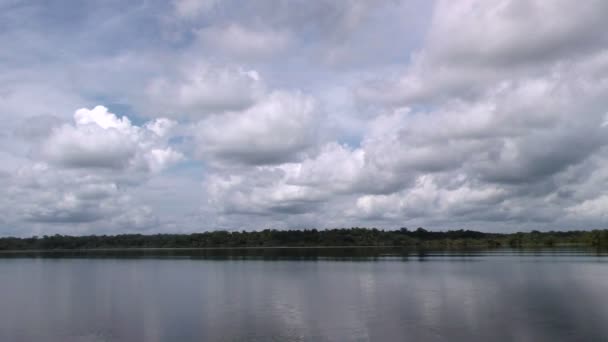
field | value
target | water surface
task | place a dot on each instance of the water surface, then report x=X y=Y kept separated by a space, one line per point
x=304 y=295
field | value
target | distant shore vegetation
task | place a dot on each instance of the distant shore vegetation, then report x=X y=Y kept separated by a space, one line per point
x=347 y=237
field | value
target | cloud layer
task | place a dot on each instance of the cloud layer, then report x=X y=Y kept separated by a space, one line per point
x=197 y=114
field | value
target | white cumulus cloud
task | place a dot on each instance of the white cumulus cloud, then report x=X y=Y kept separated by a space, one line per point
x=100 y=139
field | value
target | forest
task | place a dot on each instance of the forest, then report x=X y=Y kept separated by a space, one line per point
x=347 y=237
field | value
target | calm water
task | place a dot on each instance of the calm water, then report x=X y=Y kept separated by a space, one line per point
x=305 y=295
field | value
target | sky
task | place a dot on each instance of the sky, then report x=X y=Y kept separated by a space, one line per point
x=156 y=116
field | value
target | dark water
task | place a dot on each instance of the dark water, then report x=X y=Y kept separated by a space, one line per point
x=305 y=295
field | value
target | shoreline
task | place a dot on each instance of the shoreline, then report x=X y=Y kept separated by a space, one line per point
x=259 y=248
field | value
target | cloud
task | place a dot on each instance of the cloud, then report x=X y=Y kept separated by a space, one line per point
x=336 y=168
x=495 y=42
x=445 y=114
x=189 y=9
x=203 y=89
x=244 y=42
x=87 y=204
x=513 y=33
x=259 y=192
x=276 y=129
x=591 y=209
x=508 y=127
x=100 y=139
x=68 y=200
x=427 y=198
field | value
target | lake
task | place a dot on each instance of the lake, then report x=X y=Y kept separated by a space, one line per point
x=309 y=294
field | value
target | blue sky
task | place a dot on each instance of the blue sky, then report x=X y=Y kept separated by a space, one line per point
x=190 y=115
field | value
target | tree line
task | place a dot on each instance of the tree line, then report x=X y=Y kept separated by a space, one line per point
x=356 y=236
